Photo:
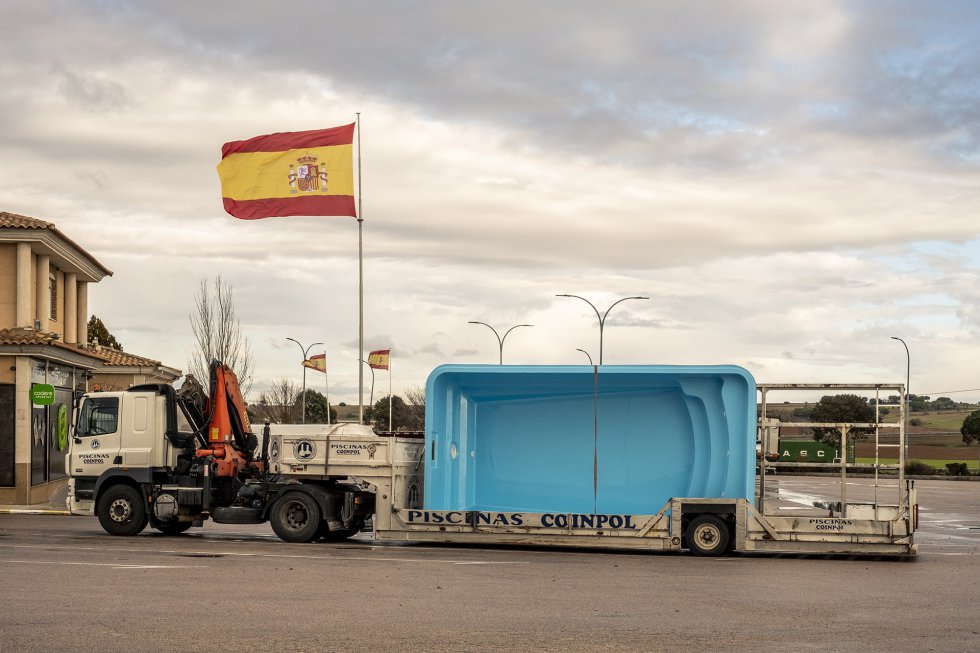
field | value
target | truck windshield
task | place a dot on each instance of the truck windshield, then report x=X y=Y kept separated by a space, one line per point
x=99 y=416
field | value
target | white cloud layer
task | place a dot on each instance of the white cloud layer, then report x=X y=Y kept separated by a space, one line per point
x=791 y=184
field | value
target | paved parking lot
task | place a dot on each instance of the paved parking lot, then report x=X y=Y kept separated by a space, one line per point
x=68 y=586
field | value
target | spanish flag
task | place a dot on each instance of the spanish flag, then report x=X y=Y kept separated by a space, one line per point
x=318 y=363
x=379 y=359
x=290 y=173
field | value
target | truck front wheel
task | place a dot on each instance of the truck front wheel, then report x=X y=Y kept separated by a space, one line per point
x=295 y=517
x=122 y=511
x=707 y=535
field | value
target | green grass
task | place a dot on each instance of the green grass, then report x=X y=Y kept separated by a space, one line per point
x=972 y=465
x=951 y=421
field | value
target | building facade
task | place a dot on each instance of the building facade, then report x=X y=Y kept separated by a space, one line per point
x=45 y=359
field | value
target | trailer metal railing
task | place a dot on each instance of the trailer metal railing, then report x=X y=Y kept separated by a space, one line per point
x=881 y=483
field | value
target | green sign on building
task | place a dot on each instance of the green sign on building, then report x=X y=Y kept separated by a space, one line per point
x=42 y=394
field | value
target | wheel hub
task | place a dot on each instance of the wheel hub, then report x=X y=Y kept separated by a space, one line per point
x=296 y=516
x=707 y=537
x=120 y=511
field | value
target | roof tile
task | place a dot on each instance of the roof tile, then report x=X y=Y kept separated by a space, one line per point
x=16 y=221
x=109 y=357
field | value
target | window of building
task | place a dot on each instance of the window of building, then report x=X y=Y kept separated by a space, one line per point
x=53 y=292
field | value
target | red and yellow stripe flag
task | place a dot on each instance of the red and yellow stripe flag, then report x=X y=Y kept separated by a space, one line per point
x=379 y=359
x=318 y=363
x=290 y=173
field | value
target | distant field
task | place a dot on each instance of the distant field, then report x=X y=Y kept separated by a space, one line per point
x=951 y=421
x=947 y=446
x=931 y=420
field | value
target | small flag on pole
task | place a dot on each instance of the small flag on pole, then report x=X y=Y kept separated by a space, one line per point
x=379 y=359
x=318 y=363
x=290 y=173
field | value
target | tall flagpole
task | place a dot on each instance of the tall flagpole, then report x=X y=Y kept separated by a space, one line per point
x=326 y=385
x=360 y=279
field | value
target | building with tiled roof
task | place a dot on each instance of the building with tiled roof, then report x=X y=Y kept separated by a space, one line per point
x=44 y=284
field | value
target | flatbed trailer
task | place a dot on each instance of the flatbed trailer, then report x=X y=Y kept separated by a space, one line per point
x=391 y=469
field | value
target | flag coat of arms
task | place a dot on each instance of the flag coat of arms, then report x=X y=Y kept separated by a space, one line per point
x=379 y=359
x=289 y=173
x=318 y=363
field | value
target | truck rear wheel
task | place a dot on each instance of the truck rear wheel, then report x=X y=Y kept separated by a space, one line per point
x=295 y=517
x=707 y=535
x=122 y=511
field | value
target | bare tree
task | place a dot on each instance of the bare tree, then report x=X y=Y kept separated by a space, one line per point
x=219 y=333
x=416 y=402
x=278 y=405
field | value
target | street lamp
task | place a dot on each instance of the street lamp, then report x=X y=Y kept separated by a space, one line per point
x=372 y=381
x=306 y=356
x=499 y=339
x=908 y=408
x=587 y=354
x=602 y=318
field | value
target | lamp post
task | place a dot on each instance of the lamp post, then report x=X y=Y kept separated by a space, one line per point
x=587 y=354
x=306 y=356
x=372 y=381
x=602 y=317
x=908 y=408
x=499 y=339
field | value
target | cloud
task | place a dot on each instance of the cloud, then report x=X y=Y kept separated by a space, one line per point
x=90 y=92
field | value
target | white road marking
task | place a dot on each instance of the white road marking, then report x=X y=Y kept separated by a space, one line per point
x=240 y=554
x=113 y=565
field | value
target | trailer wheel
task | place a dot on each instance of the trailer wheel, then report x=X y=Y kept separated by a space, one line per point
x=707 y=535
x=122 y=511
x=295 y=517
x=173 y=528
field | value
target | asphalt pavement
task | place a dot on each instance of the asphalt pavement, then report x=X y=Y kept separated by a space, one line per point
x=66 y=585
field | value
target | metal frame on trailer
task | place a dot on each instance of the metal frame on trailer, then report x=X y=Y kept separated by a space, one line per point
x=849 y=527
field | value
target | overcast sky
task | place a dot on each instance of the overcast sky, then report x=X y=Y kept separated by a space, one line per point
x=790 y=183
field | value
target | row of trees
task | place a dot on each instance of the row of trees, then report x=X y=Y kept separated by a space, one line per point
x=923 y=403
x=283 y=404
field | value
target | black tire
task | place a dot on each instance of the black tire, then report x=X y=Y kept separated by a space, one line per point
x=122 y=510
x=296 y=517
x=173 y=528
x=707 y=535
x=237 y=515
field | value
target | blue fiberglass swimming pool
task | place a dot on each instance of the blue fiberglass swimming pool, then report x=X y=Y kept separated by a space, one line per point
x=582 y=439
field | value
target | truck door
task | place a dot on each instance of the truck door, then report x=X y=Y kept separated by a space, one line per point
x=97 y=437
